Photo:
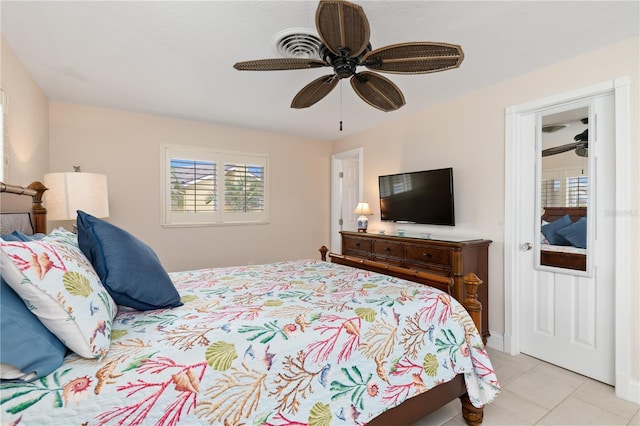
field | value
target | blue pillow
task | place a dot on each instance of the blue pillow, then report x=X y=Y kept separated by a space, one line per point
x=550 y=231
x=129 y=269
x=20 y=236
x=28 y=350
x=576 y=233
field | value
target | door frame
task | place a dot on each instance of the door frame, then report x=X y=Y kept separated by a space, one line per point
x=625 y=386
x=336 y=192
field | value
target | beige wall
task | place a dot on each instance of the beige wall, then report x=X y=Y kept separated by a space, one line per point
x=28 y=127
x=469 y=135
x=126 y=147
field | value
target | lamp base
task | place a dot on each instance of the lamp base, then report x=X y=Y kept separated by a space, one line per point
x=363 y=223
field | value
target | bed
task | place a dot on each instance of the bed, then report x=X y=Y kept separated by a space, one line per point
x=304 y=342
x=564 y=256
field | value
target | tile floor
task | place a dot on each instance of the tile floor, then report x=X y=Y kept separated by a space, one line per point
x=537 y=393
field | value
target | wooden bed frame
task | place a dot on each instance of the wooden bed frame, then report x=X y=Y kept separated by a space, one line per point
x=414 y=408
x=424 y=404
x=38 y=212
x=575 y=261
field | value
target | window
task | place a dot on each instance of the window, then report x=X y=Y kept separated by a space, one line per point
x=564 y=188
x=577 y=191
x=203 y=186
x=193 y=186
x=550 y=193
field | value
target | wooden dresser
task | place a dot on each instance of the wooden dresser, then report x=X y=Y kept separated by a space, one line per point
x=451 y=259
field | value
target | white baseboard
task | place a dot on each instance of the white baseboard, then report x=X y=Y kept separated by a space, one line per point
x=496 y=341
x=627 y=388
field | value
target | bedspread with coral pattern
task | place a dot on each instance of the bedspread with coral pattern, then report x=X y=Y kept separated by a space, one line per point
x=289 y=343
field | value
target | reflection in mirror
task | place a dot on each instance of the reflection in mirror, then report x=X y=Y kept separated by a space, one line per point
x=564 y=189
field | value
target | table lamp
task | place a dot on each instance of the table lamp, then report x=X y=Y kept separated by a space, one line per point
x=363 y=210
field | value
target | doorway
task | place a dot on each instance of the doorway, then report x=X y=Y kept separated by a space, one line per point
x=582 y=291
x=346 y=191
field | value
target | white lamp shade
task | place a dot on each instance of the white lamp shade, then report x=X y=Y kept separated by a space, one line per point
x=69 y=192
x=362 y=208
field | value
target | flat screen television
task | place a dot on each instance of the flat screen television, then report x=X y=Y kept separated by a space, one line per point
x=424 y=197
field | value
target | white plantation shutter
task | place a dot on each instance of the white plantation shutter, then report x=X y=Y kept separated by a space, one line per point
x=203 y=186
x=577 y=191
x=550 y=193
x=193 y=185
x=244 y=189
x=564 y=187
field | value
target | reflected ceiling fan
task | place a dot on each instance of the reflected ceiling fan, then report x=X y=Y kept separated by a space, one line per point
x=581 y=144
x=344 y=30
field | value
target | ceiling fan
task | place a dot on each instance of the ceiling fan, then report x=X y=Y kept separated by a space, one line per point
x=581 y=144
x=344 y=30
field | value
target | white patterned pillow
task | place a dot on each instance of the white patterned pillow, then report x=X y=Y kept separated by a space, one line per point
x=59 y=285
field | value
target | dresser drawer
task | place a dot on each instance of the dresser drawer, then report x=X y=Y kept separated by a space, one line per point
x=358 y=247
x=357 y=244
x=429 y=255
x=432 y=268
x=388 y=249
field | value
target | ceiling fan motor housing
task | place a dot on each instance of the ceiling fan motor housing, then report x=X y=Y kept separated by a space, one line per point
x=343 y=65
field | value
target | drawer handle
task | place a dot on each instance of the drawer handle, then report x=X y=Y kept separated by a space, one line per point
x=357 y=244
x=387 y=249
x=427 y=255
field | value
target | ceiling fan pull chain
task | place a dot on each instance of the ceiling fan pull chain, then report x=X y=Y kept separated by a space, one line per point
x=340 y=105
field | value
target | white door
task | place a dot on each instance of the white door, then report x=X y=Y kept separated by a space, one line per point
x=566 y=317
x=350 y=193
x=346 y=186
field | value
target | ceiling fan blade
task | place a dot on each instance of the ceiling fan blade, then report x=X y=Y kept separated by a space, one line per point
x=414 y=58
x=279 y=64
x=343 y=27
x=559 y=149
x=377 y=91
x=314 y=91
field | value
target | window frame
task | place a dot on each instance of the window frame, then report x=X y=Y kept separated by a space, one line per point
x=219 y=217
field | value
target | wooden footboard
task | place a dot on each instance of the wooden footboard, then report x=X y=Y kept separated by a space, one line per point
x=416 y=408
x=424 y=404
x=470 y=281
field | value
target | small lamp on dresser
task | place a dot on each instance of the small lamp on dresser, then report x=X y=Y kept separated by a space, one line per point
x=70 y=192
x=363 y=210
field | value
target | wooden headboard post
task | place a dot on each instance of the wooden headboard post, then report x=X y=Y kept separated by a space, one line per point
x=39 y=211
x=323 y=253
x=36 y=190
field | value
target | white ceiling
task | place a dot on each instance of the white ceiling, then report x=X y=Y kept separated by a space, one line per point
x=175 y=58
